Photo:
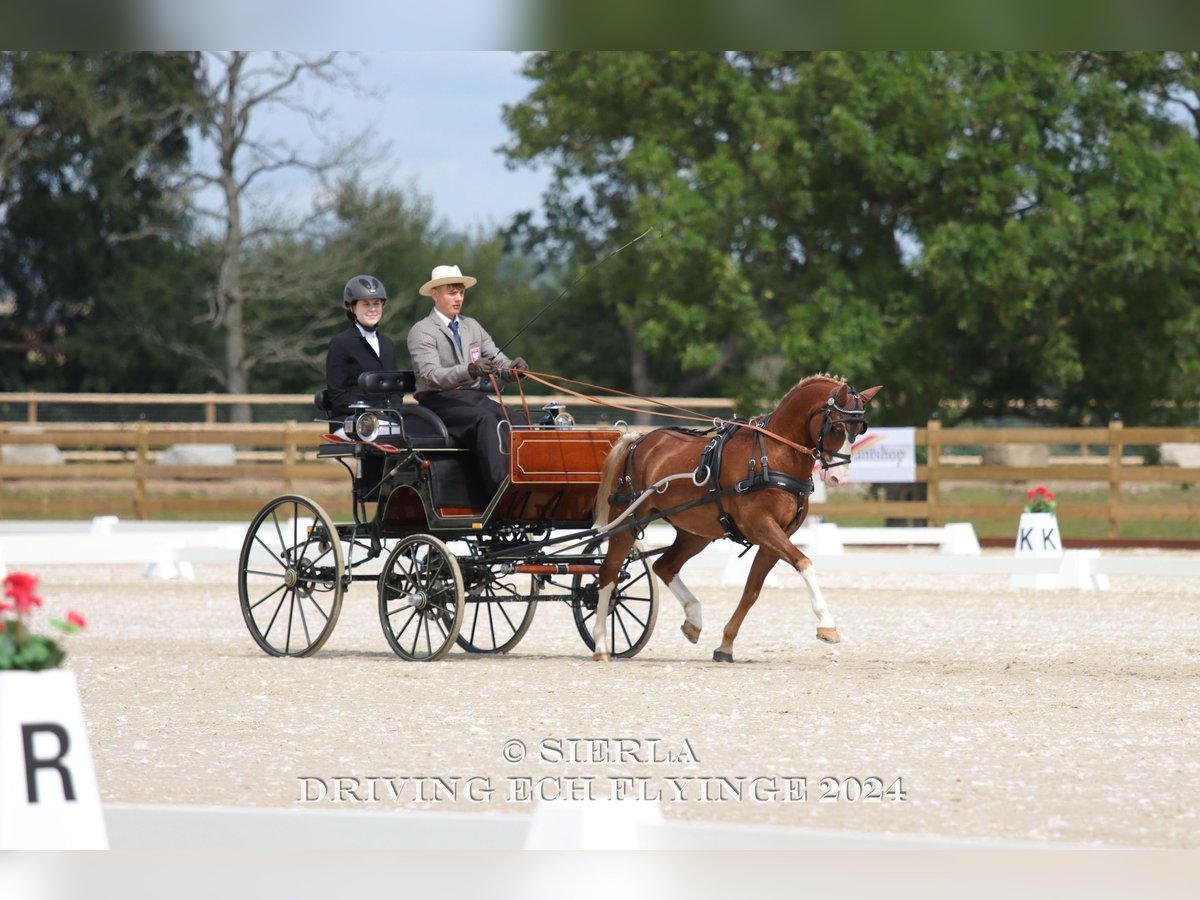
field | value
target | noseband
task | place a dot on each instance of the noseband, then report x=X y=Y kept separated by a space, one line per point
x=833 y=415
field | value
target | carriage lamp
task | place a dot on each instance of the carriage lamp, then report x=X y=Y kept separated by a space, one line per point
x=556 y=416
x=364 y=426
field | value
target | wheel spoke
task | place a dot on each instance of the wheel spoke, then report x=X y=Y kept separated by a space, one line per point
x=278 y=527
x=267 y=597
x=263 y=574
x=287 y=641
x=303 y=618
x=275 y=614
x=273 y=554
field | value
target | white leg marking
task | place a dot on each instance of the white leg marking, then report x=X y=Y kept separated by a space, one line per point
x=600 y=626
x=820 y=610
x=691 y=606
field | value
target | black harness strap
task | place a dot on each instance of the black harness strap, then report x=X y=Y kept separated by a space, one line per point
x=708 y=471
x=623 y=492
x=776 y=480
x=757 y=478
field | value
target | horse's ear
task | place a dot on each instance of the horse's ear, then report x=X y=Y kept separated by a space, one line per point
x=870 y=392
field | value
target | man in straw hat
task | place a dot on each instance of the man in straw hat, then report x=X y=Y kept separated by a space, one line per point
x=453 y=356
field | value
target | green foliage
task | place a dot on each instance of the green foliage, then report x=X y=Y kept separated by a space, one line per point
x=405 y=242
x=89 y=143
x=970 y=226
x=32 y=654
x=980 y=226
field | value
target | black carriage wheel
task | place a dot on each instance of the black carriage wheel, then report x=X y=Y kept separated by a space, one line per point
x=497 y=613
x=421 y=598
x=633 y=608
x=290 y=577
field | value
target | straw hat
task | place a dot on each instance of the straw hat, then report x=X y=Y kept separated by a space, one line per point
x=445 y=275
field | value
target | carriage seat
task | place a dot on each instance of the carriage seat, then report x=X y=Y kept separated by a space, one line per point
x=417 y=424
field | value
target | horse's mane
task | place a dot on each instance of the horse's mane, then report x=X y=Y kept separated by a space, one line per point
x=820 y=376
x=809 y=379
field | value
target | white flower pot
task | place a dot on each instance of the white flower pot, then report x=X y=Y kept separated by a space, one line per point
x=48 y=794
x=1038 y=538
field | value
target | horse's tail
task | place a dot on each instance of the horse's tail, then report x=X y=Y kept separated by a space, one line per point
x=608 y=478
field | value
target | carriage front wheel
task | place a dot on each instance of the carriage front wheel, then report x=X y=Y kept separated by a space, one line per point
x=421 y=598
x=632 y=609
x=290 y=577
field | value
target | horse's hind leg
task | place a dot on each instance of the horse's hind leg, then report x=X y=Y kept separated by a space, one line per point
x=619 y=545
x=764 y=559
x=685 y=546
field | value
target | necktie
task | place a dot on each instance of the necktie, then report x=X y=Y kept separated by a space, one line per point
x=457 y=339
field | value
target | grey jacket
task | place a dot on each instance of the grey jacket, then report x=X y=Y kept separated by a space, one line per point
x=437 y=362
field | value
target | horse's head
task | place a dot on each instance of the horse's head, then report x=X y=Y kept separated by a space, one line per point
x=834 y=425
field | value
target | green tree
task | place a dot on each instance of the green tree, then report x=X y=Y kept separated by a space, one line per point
x=88 y=144
x=978 y=226
x=259 y=279
x=395 y=236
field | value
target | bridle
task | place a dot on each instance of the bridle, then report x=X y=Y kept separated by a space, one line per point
x=833 y=416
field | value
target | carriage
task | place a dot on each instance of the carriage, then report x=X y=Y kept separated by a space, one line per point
x=470 y=568
x=461 y=566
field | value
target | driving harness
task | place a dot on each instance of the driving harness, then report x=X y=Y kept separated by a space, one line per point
x=708 y=469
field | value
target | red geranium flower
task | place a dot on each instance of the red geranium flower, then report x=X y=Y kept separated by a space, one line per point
x=18 y=587
x=1039 y=499
x=22 y=647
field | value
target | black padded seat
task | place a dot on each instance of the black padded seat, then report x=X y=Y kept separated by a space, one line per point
x=387 y=385
x=420 y=426
x=402 y=381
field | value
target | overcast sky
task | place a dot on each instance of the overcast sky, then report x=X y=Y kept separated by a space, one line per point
x=438 y=118
x=434 y=118
x=435 y=114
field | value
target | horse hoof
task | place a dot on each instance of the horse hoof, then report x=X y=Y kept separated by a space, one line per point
x=601 y=657
x=690 y=631
x=828 y=635
x=722 y=656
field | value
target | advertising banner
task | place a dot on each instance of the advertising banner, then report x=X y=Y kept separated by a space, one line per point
x=884 y=454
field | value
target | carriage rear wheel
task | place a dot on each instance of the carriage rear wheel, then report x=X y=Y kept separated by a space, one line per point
x=421 y=598
x=498 y=612
x=290 y=577
x=633 y=607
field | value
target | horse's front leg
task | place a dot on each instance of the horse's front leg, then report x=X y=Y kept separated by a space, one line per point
x=768 y=534
x=826 y=629
x=764 y=559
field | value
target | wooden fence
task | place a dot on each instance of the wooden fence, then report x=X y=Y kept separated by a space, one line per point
x=118 y=469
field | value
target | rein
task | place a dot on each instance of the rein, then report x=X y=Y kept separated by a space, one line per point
x=687 y=415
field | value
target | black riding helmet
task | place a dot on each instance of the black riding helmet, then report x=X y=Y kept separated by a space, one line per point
x=362 y=287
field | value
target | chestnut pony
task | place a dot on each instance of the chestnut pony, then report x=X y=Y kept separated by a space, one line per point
x=750 y=483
